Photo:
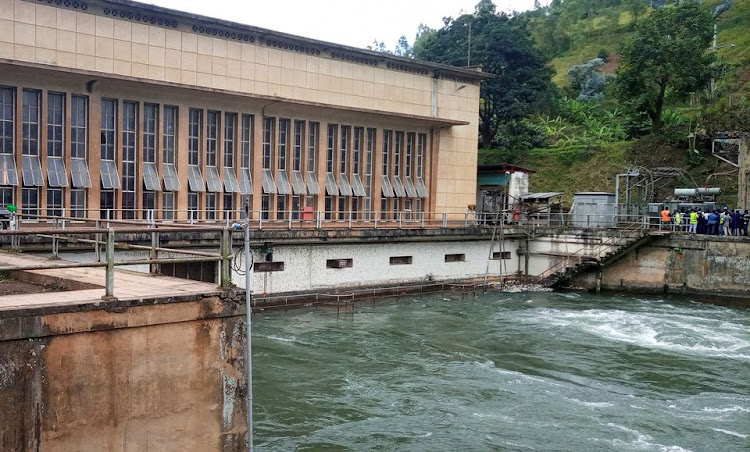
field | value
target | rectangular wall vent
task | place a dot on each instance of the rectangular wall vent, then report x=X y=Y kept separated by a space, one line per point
x=268 y=267
x=339 y=263
x=455 y=258
x=497 y=255
x=401 y=260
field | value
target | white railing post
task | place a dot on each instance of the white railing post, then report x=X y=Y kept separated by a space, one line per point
x=109 y=285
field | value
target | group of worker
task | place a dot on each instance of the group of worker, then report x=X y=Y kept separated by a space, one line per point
x=727 y=222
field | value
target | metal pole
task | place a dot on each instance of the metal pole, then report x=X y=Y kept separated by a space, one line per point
x=249 y=323
x=109 y=286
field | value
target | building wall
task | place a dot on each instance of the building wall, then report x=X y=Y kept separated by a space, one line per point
x=148 y=54
x=305 y=266
x=162 y=376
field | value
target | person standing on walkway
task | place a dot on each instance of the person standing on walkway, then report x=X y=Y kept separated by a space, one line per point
x=693 y=222
x=745 y=221
x=666 y=218
x=726 y=223
x=677 y=221
x=736 y=223
x=713 y=223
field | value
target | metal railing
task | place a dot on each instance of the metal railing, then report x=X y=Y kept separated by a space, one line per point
x=104 y=239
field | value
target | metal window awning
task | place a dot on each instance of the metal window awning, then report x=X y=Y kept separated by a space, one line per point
x=246 y=182
x=357 y=187
x=195 y=179
x=282 y=183
x=79 y=172
x=344 y=188
x=56 y=175
x=313 y=187
x=411 y=191
x=331 y=188
x=421 y=189
x=171 y=181
x=298 y=184
x=32 y=171
x=269 y=186
x=110 y=178
x=398 y=187
x=230 y=181
x=213 y=182
x=386 y=187
x=151 y=180
x=8 y=172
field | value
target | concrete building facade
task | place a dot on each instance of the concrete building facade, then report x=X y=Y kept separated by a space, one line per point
x=116 y=108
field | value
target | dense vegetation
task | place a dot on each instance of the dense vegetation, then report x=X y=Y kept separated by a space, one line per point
x=585 y=88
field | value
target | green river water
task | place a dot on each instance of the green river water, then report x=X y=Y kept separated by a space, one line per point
x=504 y=371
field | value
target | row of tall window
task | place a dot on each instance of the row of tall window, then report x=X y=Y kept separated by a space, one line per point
x=141 y=147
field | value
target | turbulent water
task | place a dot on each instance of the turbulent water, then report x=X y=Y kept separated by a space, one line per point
x=523 y=371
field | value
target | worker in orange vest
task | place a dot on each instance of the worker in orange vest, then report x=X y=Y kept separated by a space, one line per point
x=666 y=218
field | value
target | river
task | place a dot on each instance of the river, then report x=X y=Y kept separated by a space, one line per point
x=523 y=371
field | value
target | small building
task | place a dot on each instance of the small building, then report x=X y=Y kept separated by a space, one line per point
x=500 y=187
x=594 y=209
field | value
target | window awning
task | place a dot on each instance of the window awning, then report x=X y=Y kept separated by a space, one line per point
x=298 y=184
x=110 y=178
x=171 y=180
x=385 y=186
x=151 y=180
x=8 y=171
x=213 y=182
x=398 y=187
x=357 y=187
x=195 y=179
x=230 y=181
x=56 y=175
x=313 y=187
x=79 y=171
x=411 y=192
x=269 y=186
x=331 y=188
x=282 y=183
x=32 y=171
x=421 y=189
x=344 y=188
x=246 y=182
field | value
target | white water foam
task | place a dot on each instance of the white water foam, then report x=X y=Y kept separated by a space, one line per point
x=729 y=432
x=288 y=340
x=643 y=441
x=668 y=332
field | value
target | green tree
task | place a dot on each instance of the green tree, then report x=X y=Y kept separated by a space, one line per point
x=669 y=51
x=501 y=45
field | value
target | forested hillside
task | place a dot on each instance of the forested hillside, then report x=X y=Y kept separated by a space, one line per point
x=585 y=88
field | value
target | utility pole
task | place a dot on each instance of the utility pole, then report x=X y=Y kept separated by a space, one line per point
x=249 y=323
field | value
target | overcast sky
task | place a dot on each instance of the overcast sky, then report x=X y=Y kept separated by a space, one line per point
x=355 y=23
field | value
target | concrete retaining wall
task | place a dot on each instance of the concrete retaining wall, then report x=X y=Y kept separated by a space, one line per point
x=150 y=377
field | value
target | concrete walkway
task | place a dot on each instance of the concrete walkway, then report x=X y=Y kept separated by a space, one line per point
x=129 y=285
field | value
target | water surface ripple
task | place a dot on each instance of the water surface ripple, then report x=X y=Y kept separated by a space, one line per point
x=523 y=371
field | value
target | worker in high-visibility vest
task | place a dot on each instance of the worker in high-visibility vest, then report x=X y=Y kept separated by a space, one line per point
x=677 y=221
x=693 y=222
x=666 y=218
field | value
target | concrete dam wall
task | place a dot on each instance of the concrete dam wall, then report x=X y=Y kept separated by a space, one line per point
x=138 y=376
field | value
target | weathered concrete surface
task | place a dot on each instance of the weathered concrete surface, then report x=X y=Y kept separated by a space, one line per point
x=681 y=263
x=156 y=376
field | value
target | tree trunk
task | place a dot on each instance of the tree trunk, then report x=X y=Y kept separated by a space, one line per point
x=658 y=108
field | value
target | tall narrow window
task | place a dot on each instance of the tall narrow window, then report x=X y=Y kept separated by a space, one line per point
x=213 y=182
x=298 y=181
x=398 y=186
x=151 y=181
x=81 y=179
x=282 y=178
x=269 y=185
x=358 y=188
x=332 y=188
x=246 y=181
x=31 y=168
x=129 y=152
x=57 y=178
x=8 y=172
x=369 y=151
x=195 y=178
x=110 y=179
x=168 y=158
x=420 y=185
x=385 y=183
x=345 y=190
x=231 y=184
x=411 y=191
x=313 y=188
